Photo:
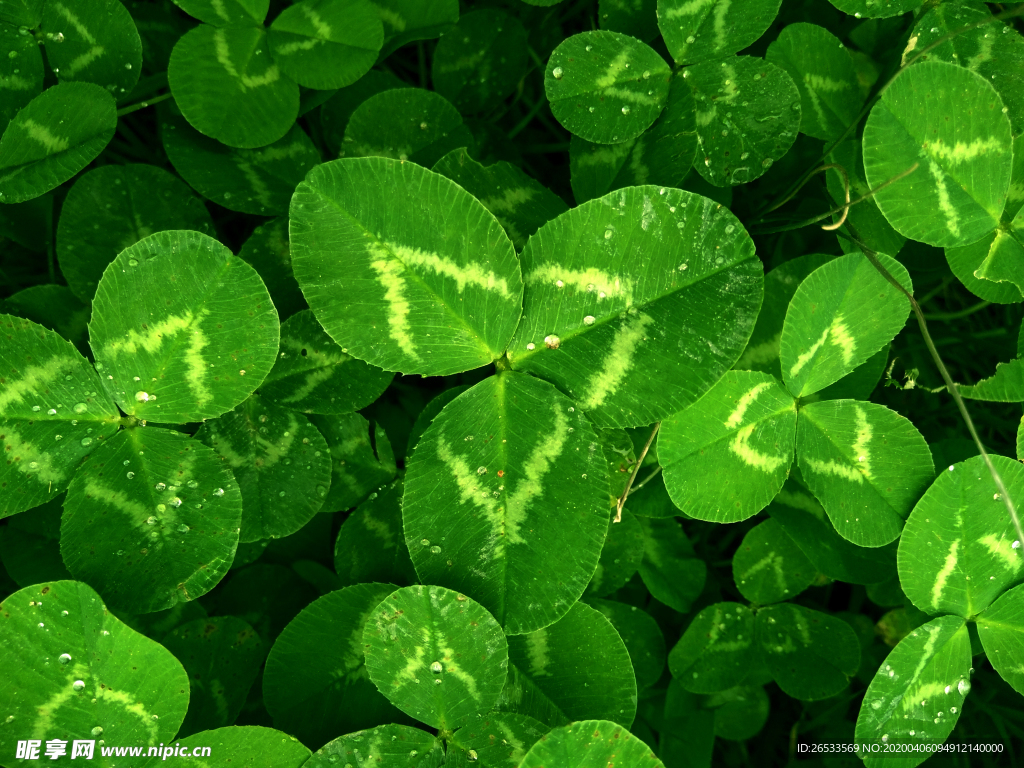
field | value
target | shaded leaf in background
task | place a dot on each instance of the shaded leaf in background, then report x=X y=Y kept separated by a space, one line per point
x=265 y=595
x=336 y=111
x=268 y=252
x=151 y=519
x=876 y=9
x=636 y=18
x=370 y=545
x=226 y=12
x=114 y=206
x=606 y=87
x=41 y=150
x=1000 y=627
x=356 y=469
x=670 y=570
x=875 y=232
x=590 y=744
x=710 y=29
x=716 y=650
x=769 y=566
x=505 y=482
x=30 y=546
x=497 y=739
x=642 y=637
x=21 y=72
x=748 y=116
x=54 y=307
x=406 y=21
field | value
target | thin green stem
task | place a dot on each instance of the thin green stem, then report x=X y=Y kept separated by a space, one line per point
x=639 y=460
x=527 y=118
x=957 y=315
x=143 y=104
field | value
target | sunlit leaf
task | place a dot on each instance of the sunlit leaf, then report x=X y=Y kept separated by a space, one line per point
x=697 y=30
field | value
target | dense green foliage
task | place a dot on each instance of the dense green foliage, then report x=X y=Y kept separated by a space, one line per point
x=512 y=383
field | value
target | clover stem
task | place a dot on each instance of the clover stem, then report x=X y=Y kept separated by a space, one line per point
x=639 y=460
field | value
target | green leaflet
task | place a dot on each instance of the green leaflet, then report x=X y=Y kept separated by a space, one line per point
x=1004 y=259
x=991 y=50
x=30 y=546
x=697 y=30
x=689 y=729
x=740 y=712
x=642 y=637
x=875 y=232
x=53 y=413
x=957 y=192
x=651 y=499
x=621 y=556
x=182 y=330
x=622 y=319
x=812 y=655
x=842 y=314
x=966 y=262
x=727 y=455
x=336 y=111
x=225 y=13
x=21 y=71
x=222 y=656
x=314 y=375
x=636 y=18
x=316 y=683
x=822 y=69
x=716 y=651
x=1006 y=385
x=370 y=545
x=54 y=307
x=663 y=154
x=520 y=203
x=396 y=746
x=25 y=13
x=269 y=253
x=114 y=206
x=94 y=41
x=505 y=481
x=804 y=520
x=590 y=744
x=669 y=569
x=430 y=411
x=406 y=21
x=574 y=669
x=481 y=60
x=1001 y=627
x=247 y=746
x=258 y=181
x=769 y=566
x=498 y=740
x=866 y=464
x=748 y=116
x=443 y=282
x=958 y=551
x=917 y=695
x=405 y=124
x=876 y=9
x=620 y=454
x=356 y=468
x=63 y=658
x=436 y=655
x=40 y=150
x=151 y=519
x=326 y=44
x=267 y=596
x=1020 y=440
x=281 y=462
x=606 y=87
x=227 y=86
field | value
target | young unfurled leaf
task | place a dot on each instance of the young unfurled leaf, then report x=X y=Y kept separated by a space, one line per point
x=727 y=455
x=94 y=41
x=606 y=87
x=769 y=566
x=380 y=246
x=63 y=657
x=918 y=694
x=590 y=744
x=642 y=637
x=959 y=550
x=506 y=481
x=314 y=375
x=436 y=655
x=520 y=203
x=957 y=192
x=669 y=569
x=228 y=87
x=53 y=413
x=223 y=13
x=41 y=149
x=182 y=330
x=717 y=649
x=282 y=464
x=866 y=464
x=812 y=655
x=114 y=206
x=611 y=306
x=841 y=315
x=709 y=29
x=1000 y=627
x=479 y=62
x=258 y=181
x=396 y=746
x=326 y=44
x=822 y=70
x=222 y=656
x=748 y=116
x=575 y=669
x=663 y=154
x=356 y=468
x=151 y=519
x=315 y=684
x=246 y=745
